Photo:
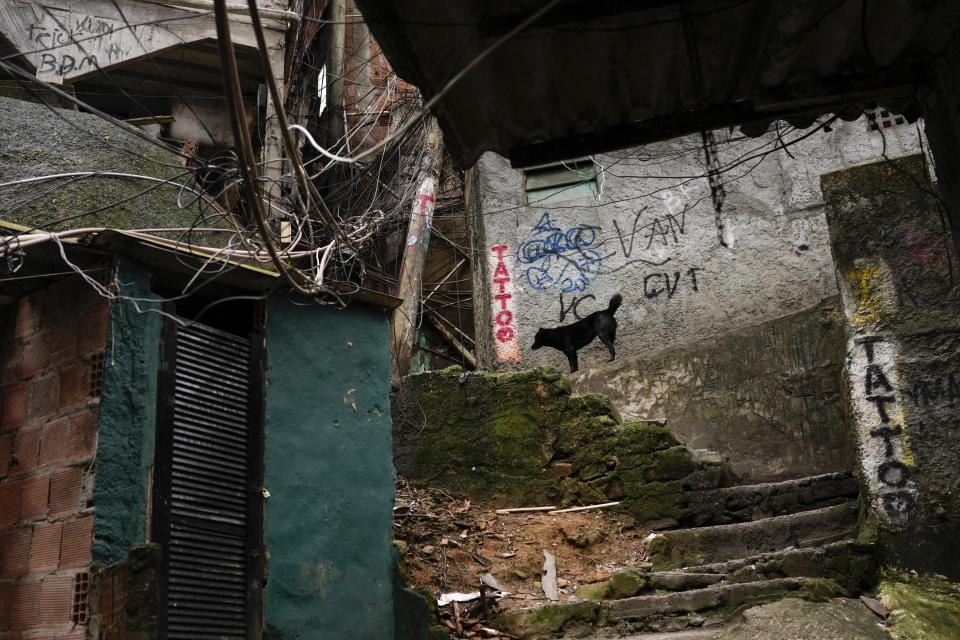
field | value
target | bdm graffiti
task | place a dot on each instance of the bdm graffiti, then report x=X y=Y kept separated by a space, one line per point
x=560 y=258
x=506 y=342
x=898 y=494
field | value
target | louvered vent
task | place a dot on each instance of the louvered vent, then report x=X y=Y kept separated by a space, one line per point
x=207 y=497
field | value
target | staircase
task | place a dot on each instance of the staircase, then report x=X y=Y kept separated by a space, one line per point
x=748 y=545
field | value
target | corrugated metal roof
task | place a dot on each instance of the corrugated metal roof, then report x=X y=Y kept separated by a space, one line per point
x=598 y=75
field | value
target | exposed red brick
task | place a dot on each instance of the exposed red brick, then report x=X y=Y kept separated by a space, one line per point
x=16 y=552
x=33 y=502
x=6 y=604
x=83 y=433
x=11 y=359
x=55 y=442
x=74 y=385
x=65 y=488
x=56 y=600
x=15 y=405
x=43 y=397
x=10 y=497
x=92 y=334
x=76 y=544
x=45 y=548
x=26 y=450
x=36 y=355
x=107 y=613
x=26 y=606
x=6 y=450
x=63 y=341
x=28 y=316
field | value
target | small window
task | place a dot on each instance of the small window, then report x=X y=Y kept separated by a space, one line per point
x=561 y=182
x=878 y=119
x=322 y=89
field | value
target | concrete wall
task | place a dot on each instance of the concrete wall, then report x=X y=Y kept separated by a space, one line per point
x=767 y=397
x=329 y=472
x=651 y=236
x=51 y=367
x=900 y=279
x=70 y=39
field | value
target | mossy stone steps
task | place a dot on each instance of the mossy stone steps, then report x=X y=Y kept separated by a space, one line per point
x=743 y=503
x=659 y=612
x=704 y=545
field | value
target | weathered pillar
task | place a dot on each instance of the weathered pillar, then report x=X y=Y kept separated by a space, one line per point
x=898 y=275
x=404 y=322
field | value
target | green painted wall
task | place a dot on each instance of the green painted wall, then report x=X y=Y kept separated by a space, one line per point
x=329 y=472
x=127 y=420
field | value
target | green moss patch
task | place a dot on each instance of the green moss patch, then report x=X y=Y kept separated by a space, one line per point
x=922 y=607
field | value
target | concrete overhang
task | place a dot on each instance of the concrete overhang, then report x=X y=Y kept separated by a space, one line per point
x=589 y=77
x=170 y=262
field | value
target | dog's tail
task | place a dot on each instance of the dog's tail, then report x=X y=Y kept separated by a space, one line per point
x=615 y=303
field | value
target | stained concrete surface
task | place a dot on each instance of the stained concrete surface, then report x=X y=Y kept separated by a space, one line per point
x=767 y=396
x=794 y=619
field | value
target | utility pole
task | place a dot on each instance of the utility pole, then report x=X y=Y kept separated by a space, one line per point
x=335 y=83
x=404 y=322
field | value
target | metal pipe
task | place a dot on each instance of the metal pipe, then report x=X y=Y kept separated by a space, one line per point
x=289 y=17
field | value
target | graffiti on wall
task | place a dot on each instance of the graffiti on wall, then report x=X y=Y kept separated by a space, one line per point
x=506 y=342
x=65 y=42
x=558 y=258
x=886 y=451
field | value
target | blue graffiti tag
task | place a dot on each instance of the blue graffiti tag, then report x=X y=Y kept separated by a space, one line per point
x=559 y=258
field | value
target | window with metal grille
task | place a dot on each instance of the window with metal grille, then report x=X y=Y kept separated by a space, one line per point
x=561 y=182
x=209 y=474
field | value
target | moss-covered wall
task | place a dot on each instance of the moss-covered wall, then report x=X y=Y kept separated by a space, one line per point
x=520 y=438
x=37 y=140
x=329 y=474
x=900 y=279
x=127 y=431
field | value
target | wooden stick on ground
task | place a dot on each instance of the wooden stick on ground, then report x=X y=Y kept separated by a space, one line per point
x=587 y=508
x=525 y=509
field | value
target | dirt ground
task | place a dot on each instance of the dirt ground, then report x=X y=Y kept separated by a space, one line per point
x=451 y=544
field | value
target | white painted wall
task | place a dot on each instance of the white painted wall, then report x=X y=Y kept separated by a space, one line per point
x=651 y=237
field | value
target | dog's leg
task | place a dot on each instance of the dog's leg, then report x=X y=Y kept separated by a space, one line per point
x=608 y=343
x=572 y=358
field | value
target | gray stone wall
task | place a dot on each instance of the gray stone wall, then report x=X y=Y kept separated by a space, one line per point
x=767 y=397
x=651 y=237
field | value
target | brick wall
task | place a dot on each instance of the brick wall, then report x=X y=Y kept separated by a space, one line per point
x=52 y=346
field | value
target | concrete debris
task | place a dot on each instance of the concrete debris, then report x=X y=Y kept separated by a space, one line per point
x=549 y=579
x=491 y=582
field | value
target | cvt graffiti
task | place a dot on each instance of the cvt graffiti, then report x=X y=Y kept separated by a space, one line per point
x=560 y=258
x=898 y=498
x=657 y=284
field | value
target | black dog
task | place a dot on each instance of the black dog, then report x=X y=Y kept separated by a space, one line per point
x=572 y=337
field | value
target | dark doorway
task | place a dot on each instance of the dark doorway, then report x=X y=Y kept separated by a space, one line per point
x=207 y=500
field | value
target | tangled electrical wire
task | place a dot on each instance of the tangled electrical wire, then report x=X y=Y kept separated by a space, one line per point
x=318 y=244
